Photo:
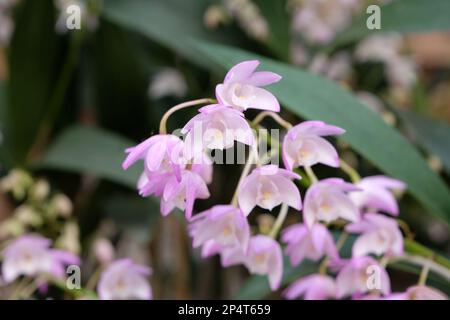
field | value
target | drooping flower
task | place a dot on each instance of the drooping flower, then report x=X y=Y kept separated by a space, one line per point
x=418 y=293
x=241 y=88
x=31 y=255
x=162 y=153
x=312 y=287
x=380 y=235
x=263 y=257
x=182 y=194
x=269 y=186
x=303 y=145
x=225 y=224
x=376 y=194
x=360 y=275
x=123 y=280
x=216 y=127
x=327 y=200
x=312 y=243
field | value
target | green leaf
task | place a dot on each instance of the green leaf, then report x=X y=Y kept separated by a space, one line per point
x=313 y=97
x=172 y=23
x=402 y=16
x=432 y=134
x=82 y=149
x=277 y=18
x=34 y=61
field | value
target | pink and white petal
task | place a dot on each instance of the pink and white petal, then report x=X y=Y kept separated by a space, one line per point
x=289 y=193
x=263 y=100
x=241 y=71
x=326 y=153
x=247 y=194
x=262 y=78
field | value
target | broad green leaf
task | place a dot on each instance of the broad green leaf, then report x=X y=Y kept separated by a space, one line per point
x=82 y=149
x=34 y=61
x=278 y=20
x=432 y=134
x=402 y=16
x=171 y=22
x=313 y=97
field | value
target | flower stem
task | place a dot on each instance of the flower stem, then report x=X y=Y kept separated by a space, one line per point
x=348 y=169
x=424 y=274
x=165 y=117
x=311 y=175
x=260 y=117
x=280 y=220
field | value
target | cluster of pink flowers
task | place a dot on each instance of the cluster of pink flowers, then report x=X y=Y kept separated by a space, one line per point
x=173 y=173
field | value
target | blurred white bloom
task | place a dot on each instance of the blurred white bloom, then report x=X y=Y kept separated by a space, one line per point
x=371 y=101
x=28 y=216
x=6 y=22
x=40 y=190
x=214 y=16
x=168 y=82
x=320 y=20
x=249 y=18
x=299 y=54
x=400 y=69
x=17 y=182
x=337 y=67
x=103 y=250
x=70 y=238
x=62 y=205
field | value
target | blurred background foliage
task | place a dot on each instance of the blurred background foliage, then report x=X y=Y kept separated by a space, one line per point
x=71 y=101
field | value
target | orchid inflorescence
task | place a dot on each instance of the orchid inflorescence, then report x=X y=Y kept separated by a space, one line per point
x=178 y=171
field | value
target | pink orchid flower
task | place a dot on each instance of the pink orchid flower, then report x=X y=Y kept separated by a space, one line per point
x=360 y=275
x=182 y=194
x=303 y=145
x=380 y=235
x=269 y=186
x=123 y=280
x=216 y=127
x=31 y=255
x=241 y=88
x=312 y=243
x=312 y=287
x=376 y=194
x=327 y=200
x=225 y=224
x=418 y=293
x=162 y=153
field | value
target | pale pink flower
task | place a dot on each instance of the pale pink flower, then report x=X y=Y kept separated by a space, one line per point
x=216 y=127
x=241 y=88
x=225 y=224
x=360 y=275
x=303 y=145
x=380 y=236
x=182 y=194
x=327 y=200
x=312 y=243
x=418 y=293
x=312 y=287
x=376 y=194
x=123 y=280
x=162 y=153
x=264 y=257
x=269 y=186
x=31 y=255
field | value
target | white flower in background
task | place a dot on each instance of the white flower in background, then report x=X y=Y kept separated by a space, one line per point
x=400 y=69
x=337 y=67
x=6 y=22
x=320 y=20
x=249 y=18
x=168 y=82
